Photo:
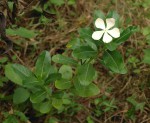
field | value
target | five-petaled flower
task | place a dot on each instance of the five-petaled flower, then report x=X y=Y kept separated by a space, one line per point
x=107 y=30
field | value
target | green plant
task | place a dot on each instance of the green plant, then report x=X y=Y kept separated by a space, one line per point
x=14 y=117
x=146 y=33
x=135 y=107
x=103 y=105
x=56 y=82
x=49 y=9
x=146 y=56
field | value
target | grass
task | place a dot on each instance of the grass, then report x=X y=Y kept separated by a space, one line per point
x=123 y=98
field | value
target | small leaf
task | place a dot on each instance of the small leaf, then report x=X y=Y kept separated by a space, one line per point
x=21 y=115
x=17 y=73
x=10 y=5
x=45 y=107
x=38 y=96
x=57 y=103
x=53 y=77
x=114 y=61
x=53 y=69
x=22 y=32
x=132 y=100
x=57 y=2
x=32 y=81
x=111 y=46
x=145 y=3
x=22 y=71
x=146 y=56
x=3 y=60
x=99 y=14
x=125 y=34
x=12 y=75
x=86 y=91
x=74 y=43
x=71 y=2
x=86 y=34
x=20 y=95
x=62 y=84
x=66 y=72
x=53 y=120
x=11 y=119
x=89 y=120
x=146 y=31
x=42 y=67
x=123 y=37
x=84 y=52
x=85 y=74
x=64 y=60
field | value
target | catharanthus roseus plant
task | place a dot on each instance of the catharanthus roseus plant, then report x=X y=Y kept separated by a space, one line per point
x=57 y=80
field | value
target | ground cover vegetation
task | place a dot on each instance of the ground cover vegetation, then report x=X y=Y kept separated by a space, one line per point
x=76 y=61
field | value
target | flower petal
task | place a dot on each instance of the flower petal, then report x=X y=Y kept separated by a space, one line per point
x=107 y=38
x=97 y=35
x=99 y=23
x=110 y=22
x=114 y=32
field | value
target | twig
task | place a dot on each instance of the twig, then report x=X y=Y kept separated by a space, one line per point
x=115 y=115
x=126 y=85
x=18 y=57
x=146 y=120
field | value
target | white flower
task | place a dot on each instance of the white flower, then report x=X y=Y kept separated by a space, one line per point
x=106 y=30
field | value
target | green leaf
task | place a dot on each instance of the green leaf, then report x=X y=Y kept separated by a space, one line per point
x=57 y=103
x=123 y=37
x=3 y=60
x=22 y=32
x=32 y=81
x=10 y=5
x=17 y=73
x=22 y=71
x=53 y=69
x=84 y=52
x=64 y=60
x=74 y=43
x=137 y=105
x=114 y=61
x=11 y=119
x=111 y=46
x=53 y=120
x=71 y=2
x=45 y=107
x=89 y=120
x=125 y=34
x=12 y=75
x=66 y=72
x=62 y=84
x=53 y=77
x=57 y=2
x=85 y=74
x=146 y=31
x=42 y=67
x=20 y=95
x=86 y=34
x=145 y=4
x=146 y=56
x=21 y=116
x=38 y=96
x=99 y=14
x=86 y=91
